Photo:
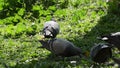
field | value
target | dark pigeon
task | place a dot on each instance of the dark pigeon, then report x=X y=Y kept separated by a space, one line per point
x=101 y=52
x=113 y=38
x=51 y=29
x=61 y=47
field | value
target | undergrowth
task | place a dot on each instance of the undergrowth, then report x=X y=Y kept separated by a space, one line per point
x=81 y=21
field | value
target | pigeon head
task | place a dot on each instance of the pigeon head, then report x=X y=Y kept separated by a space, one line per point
x=48 y=32
x=112 y=38
x=51 y=29
x=101 y=52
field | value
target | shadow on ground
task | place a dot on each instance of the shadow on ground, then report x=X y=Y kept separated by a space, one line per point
x=109 y=23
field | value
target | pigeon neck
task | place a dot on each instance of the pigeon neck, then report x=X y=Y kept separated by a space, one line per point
x=50 y=42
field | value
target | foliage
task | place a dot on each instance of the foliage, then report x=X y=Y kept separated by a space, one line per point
x=81 y=21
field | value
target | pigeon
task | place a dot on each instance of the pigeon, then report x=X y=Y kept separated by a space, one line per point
x=61 y=47
x=51 y=29
x=113 y=38
x=101 y=52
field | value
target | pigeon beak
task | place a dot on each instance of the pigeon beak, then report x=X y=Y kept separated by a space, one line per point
x=42 y=37
x=104 y=38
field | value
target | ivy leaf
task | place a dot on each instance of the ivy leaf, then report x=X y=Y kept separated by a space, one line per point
x=53 y=8
x=37 y=7
x=20 y=28
x=21 y=12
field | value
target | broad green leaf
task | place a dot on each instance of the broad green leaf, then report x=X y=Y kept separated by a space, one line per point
x=21 y=12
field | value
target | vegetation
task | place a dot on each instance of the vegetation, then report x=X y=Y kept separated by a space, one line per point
x=81 y=21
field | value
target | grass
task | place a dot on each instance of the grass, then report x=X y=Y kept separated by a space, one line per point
x=80 y=22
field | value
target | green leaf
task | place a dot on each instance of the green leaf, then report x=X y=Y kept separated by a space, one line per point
x=21 y=12
x=37 y=7
x=1 y=22
x=53 y=8
x=20 y=28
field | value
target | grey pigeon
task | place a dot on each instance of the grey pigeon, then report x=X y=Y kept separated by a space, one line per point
x=113 y=38
x=61 y=47
x=101 y=52
x=51 y=29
